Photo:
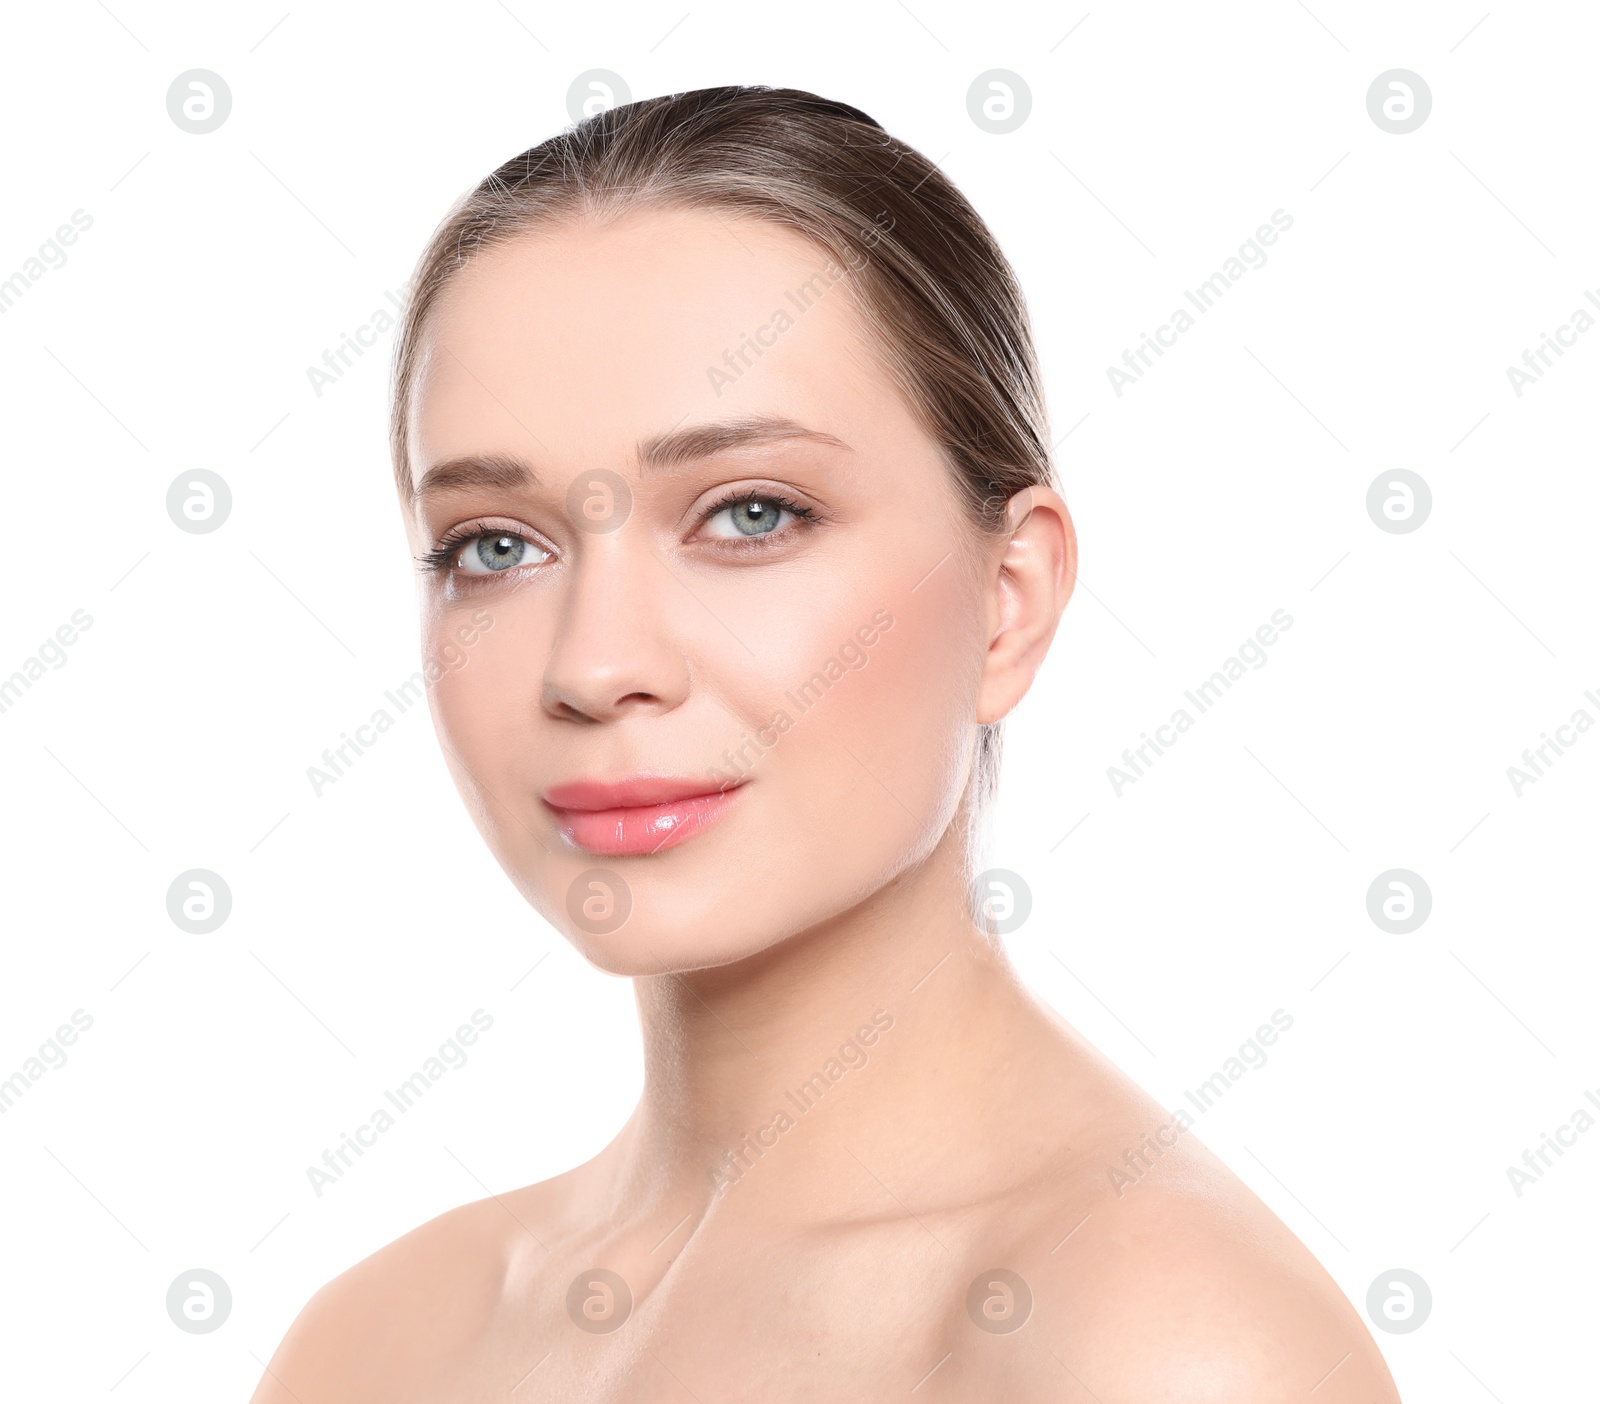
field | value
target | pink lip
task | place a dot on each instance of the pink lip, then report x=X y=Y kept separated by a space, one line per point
x=644 y=814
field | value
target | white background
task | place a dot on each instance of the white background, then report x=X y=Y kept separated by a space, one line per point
x=1228 y=882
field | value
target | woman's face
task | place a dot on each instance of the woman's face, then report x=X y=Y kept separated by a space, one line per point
x=711 y=615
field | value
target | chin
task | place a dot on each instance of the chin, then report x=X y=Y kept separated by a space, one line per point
x=685 y=942
x=655 y=915
x=732 y=885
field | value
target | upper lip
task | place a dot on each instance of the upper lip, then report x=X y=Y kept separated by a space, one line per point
x=631 y=792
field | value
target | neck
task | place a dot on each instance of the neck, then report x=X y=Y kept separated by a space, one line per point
x=882 y=1033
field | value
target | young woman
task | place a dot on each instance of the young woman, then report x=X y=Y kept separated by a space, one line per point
x=718 y=425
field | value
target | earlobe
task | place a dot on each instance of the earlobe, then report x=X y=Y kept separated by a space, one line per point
x=1033 y=581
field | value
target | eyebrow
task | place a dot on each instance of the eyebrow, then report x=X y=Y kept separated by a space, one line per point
x=680 y=446
x=473 y=470
x=658 y=454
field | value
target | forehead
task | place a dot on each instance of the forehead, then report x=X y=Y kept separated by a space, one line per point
x=586 y=337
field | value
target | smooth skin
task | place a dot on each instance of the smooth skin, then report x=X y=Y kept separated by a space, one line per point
x=973 y=1130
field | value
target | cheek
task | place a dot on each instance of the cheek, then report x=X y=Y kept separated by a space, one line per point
x=487 y=716
x=915 y=697
x=879 y=733
x=486 y=695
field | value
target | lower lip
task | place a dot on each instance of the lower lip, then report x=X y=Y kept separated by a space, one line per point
x=646 y=828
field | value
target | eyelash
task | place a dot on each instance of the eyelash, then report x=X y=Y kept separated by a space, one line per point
x=443 y=556
x=805 y=516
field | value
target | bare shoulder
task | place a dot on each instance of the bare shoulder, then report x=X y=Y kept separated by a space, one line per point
x=1184 y=1288
x=381 y=1328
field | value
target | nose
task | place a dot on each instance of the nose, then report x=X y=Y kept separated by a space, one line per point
x=616 y=650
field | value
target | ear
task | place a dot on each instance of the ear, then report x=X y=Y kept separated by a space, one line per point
x=1033 y=576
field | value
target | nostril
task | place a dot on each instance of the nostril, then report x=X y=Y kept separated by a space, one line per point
x=571 y=711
